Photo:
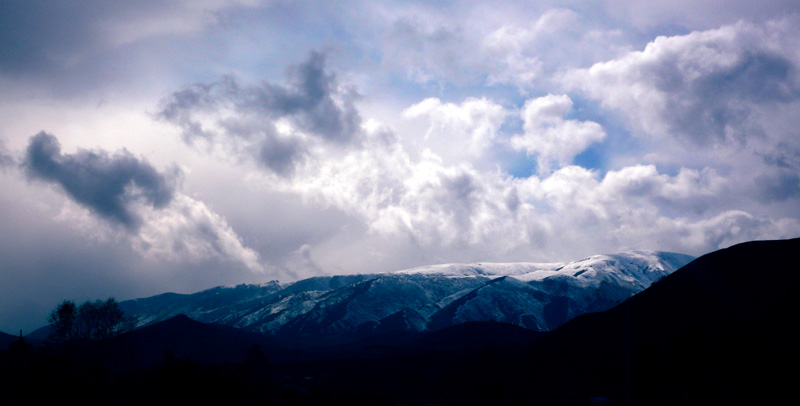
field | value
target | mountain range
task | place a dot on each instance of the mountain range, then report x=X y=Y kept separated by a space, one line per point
x=335 y=309
x=721 y=330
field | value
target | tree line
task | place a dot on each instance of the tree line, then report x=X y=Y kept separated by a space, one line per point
x=92 y=320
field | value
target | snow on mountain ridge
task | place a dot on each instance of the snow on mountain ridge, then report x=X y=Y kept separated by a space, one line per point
x=486 y=269
x=658 y=263
x=539 y=296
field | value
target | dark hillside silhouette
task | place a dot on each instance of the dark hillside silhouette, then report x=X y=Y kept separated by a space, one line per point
x=6 y=340
x=183 y=338
x=723 y=328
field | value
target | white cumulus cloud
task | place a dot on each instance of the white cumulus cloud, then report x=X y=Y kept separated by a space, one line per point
x=705 y=87
x=459 y=130
x=550 y=137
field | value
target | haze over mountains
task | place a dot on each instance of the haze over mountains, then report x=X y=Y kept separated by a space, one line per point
x=339 y=308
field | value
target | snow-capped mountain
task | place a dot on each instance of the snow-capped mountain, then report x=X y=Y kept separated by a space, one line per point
x=536 y=296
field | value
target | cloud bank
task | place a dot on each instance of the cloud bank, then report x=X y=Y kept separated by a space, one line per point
x=435 y=191
x=362 y=137
x=706 y=87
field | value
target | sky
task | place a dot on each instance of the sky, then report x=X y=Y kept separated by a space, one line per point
x=178 y=145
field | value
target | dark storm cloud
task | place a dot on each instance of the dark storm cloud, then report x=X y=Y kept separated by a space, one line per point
x=280 y=155
x=186 y=106
x=244 y=116
x=106 y=184
x=721 y=101
x=309 y=98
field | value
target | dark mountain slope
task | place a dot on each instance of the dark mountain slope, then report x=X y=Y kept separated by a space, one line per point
x=183 y=338
x=454 y=342
x=723 y=328
x=6 y=340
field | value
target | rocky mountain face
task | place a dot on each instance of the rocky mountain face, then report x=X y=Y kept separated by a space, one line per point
x=339 y=308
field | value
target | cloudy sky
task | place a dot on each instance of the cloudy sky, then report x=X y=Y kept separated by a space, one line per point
x=177 y=145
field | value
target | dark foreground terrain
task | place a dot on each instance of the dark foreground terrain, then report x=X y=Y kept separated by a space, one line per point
x=722 y=330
